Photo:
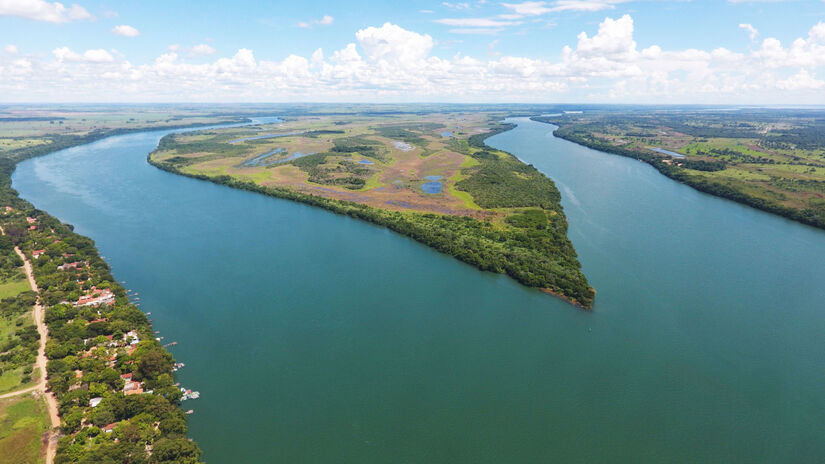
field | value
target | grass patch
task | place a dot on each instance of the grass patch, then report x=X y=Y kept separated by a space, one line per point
x=23 y=421
x=13 y=287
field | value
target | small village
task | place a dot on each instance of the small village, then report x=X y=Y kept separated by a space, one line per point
x=102 y=352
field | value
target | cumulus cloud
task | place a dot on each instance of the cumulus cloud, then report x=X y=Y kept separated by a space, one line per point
x=394 y=44
x=325 y=20
x=389 y=62
x=10 y=48
x=202 y=50
x=41 y=10
x=65 y=54
x=803 y=80
x=125 y=31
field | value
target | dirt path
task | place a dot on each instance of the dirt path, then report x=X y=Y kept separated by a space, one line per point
x=19 y=392
x=41 y=387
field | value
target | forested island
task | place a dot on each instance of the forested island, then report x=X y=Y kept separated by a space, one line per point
x=770 y=159
x=430 y=177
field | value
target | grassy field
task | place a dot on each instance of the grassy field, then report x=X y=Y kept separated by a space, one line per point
x=10 y=378
x=13 y=287
x=771 y=159
x=379 y=161
x=23 y=421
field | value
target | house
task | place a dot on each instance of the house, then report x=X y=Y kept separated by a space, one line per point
x=132 y=334
x=96 y=298
x=74 y=265
x=108 y=428
x=37 y=253
x=30 y=220
x=95 y=401
x=127 y=377
x=9 y=209
x=136 y=391
x=32 y=227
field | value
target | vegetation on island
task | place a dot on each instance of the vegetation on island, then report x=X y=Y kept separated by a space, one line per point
x=773 y=160
x=492 y=211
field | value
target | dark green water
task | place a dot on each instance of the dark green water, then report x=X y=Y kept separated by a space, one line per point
x=318 y=338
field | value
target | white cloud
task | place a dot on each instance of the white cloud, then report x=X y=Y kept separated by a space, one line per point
x=476 y=22
x=125 y=30
x=394 y=44
x=614 y=40
x=585 y=5
x=528 y=8
x=10 y=48
x=389 y=62
x=802 y=80
x=202 y=50
x=41 y=10
x=752 y=32
x=456 y=6
x=317 y=56
x=325 y=20
x=64 y=54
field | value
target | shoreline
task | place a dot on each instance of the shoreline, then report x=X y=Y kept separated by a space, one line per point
x=716 y=190
x=8 y=165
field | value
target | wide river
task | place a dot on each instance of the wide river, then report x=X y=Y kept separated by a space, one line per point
x=318 y=338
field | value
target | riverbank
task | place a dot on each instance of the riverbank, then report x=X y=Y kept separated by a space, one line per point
x=679 y=174
x=119 y=337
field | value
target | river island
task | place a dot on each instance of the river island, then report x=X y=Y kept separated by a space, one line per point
x=430 y=177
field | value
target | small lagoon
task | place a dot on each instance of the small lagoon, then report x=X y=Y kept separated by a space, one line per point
x=433 y=186
x=261 y=160
x=669 y=153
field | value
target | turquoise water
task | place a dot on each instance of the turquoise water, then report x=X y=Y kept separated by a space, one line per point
x=318 y=338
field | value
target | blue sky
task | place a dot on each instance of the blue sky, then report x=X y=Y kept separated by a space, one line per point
x=476 y=51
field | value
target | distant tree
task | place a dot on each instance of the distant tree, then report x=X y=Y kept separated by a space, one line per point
x=177 y=450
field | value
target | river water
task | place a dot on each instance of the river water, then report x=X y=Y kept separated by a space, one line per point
x=314 y=337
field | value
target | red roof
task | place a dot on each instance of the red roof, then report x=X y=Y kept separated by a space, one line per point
x=109 y=428
x=126 y=376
